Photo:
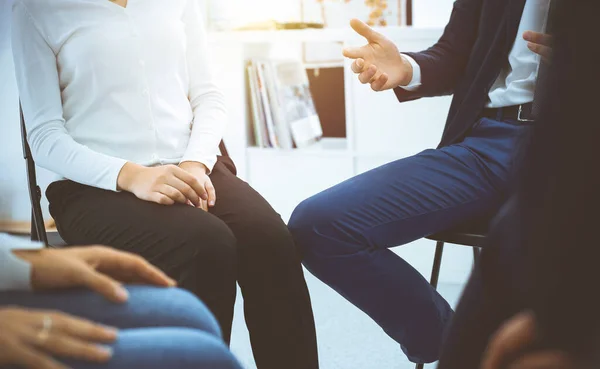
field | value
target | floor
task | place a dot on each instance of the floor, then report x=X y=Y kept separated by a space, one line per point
x=348 y=339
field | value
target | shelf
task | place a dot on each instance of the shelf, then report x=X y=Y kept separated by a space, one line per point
x=327 y=146
x=341 y=35
x=304 y=35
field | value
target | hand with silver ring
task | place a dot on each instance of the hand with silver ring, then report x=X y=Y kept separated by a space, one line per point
x=37 y=339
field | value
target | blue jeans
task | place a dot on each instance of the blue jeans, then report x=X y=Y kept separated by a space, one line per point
x=159 y=328
x=346 y=231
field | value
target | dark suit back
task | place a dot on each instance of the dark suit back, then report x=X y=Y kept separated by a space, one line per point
x=467 y=60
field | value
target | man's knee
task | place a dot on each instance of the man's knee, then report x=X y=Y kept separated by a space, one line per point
x=306 y=215
x=321 y=233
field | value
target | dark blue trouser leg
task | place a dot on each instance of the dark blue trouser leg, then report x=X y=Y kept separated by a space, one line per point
x=345 y=232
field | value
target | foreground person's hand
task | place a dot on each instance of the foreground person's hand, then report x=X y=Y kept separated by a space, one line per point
x=30 y=339
x=510 y=348
x=98 y=268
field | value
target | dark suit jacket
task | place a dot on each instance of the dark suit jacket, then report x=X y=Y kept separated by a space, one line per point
x=542 y=251
x=467 y=60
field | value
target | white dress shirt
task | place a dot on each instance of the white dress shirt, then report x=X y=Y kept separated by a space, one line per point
x=516 y=83
x=102 y=85
x=15 y=274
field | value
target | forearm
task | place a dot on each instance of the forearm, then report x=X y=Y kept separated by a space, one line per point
x=210 y=119
x=206 y=100
x=54 y=149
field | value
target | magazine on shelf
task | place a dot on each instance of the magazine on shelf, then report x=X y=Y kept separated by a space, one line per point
x=266 y=104
x=288 y=118
x=261 y=138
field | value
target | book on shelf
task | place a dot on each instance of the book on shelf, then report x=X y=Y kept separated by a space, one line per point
x=283 y=111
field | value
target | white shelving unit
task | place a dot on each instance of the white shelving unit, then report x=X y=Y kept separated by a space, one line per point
x=378 y=128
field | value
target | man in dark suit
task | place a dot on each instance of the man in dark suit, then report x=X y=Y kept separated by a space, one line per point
x=488 y=57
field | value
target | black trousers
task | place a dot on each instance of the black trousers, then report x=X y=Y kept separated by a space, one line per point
x=241 y=239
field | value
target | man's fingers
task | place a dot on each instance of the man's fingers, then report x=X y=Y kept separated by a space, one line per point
x=355 y=52
x=538 y=38
x=82 y=328
x=365 y=31
x=380 y=82
x=513 y=337
x=212 y=194
x=367 y=75
x=358 y=65
x=544 y=360
x=544 y=51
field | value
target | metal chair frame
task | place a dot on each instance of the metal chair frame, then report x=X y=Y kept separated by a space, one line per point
x=471 y=239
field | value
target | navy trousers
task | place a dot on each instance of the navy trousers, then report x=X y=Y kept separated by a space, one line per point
x=346 y=231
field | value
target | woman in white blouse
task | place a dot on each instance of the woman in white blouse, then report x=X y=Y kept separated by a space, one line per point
x=120 y=103
x=69 y=308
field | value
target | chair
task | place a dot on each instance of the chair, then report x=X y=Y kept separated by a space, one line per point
x=38 y=227
x=470 y=235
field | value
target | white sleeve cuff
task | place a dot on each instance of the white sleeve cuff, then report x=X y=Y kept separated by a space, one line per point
x=15 y=273
x=415 y=82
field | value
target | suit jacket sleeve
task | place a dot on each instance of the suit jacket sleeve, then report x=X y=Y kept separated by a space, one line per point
x=444 y=63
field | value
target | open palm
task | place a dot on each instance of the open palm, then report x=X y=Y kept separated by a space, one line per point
x=379 y=62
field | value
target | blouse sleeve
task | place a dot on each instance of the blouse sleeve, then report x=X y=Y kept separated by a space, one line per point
x=15 y=274
x=51 y=145
x=207 y=101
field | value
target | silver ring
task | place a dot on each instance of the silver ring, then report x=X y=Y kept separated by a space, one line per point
x=44 y=333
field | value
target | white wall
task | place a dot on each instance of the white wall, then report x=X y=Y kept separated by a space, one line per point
x=14 y=199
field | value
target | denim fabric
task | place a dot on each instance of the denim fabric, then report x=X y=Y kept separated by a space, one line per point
x=159 y=328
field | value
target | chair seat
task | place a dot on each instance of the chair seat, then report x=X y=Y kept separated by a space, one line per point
x=467 y=235
x=54 y=240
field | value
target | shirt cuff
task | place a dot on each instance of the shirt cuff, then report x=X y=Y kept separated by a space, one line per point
x=415 y=82
x=15 y=273
x=110 y=181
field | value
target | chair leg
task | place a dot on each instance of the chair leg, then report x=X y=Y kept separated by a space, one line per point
x=419 y=366
x=476 y=253
x=437 y=264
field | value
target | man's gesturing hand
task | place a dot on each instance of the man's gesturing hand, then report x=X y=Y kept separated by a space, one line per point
x=379 y=63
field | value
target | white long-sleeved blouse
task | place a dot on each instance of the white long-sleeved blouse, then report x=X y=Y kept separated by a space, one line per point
x=101 y=85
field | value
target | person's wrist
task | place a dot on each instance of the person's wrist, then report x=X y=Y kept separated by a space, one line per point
x=194 y=166
x=407 y=72
x=127 y=175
